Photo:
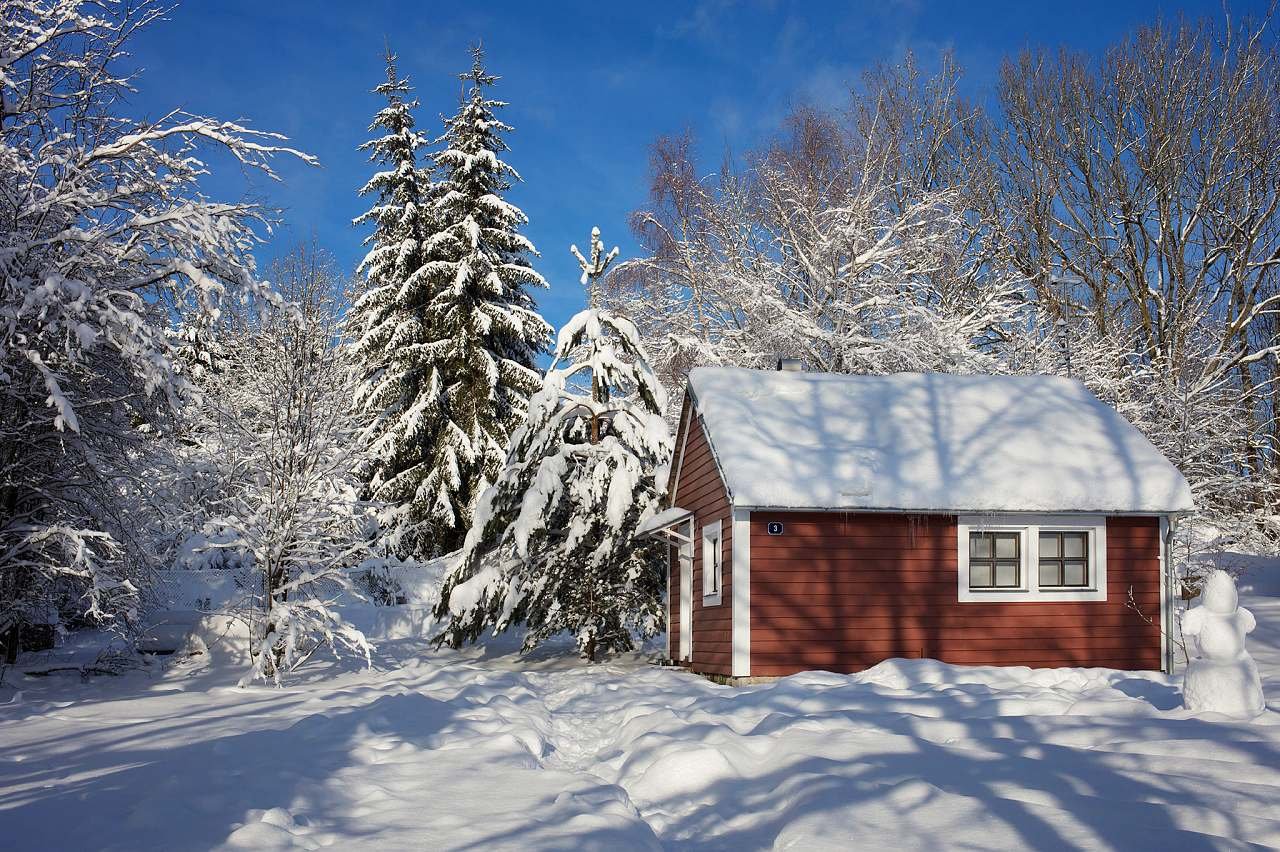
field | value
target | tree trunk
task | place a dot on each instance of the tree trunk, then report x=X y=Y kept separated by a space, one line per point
x=11 y=638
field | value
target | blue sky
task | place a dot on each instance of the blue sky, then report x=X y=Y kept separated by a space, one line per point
x=590 y=86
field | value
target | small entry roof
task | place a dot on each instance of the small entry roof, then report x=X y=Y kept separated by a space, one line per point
x=661 y=525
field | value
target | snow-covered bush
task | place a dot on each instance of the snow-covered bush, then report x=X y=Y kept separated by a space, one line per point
x=377 y=581
x=273 y=443
x=554 y=546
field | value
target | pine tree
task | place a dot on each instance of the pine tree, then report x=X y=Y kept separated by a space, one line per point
x=485 y=331
x=554 y=545
x=398 y=395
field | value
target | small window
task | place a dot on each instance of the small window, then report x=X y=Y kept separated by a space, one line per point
x=1064 y=559
x=995 y=560
x=712 y=567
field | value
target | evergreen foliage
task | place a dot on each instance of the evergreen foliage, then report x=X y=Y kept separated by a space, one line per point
x=484 y=331
x=386 y=324
x=554 y=545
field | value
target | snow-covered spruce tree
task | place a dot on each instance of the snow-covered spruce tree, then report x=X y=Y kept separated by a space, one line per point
x=553 y=547
x=397 y=399
x=271 y=466
x=105 y=234
x=482 y=329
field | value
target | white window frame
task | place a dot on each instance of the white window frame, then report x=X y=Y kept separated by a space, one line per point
x=712 y=555
x=1028 y=527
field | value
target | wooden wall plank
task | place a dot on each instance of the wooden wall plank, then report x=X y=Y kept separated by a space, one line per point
x=843 y=591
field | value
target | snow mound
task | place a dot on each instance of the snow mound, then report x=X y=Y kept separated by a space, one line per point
x=222 y=640
x=421 y=581
x=680 y=774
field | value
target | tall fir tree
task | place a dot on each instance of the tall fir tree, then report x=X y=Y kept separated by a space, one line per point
x=554 y=545
x=485 y=330
x=388 y=325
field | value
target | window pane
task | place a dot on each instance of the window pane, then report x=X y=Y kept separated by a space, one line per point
x=979 y=545
x=1007 y=545
x=1049 y=575
x=1049 y=545
x=1073 y=545
x=1076 y=575
x=1006 y=574
x=979 y=574
x=715 y=564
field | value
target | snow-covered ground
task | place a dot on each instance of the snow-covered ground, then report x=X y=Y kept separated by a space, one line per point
x=483 y=749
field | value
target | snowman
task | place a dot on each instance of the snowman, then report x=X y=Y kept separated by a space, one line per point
x=1224 y=678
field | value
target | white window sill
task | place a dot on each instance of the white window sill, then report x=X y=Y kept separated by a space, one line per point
x=1031 y=595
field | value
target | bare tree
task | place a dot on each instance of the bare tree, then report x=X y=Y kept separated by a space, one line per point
x=1143 y=189
x=273 y=443
x=861 y=244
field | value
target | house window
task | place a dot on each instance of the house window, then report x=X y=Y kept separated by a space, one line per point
x=712 y=567
x=995 y=560
x=1032 y=557
x=1064 y=559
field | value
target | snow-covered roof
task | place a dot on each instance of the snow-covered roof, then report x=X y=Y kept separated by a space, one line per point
x=928 y=441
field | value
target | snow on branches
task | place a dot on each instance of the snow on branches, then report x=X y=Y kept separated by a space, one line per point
x=387 y=336
x=817 y=251
x=107 y=234
x=270 y=469
x=554 y=546
x=454 y=337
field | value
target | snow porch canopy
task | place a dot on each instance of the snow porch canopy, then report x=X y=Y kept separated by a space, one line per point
x=927 y=442
x=663 y=524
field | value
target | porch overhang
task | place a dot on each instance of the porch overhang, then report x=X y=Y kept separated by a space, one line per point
x=663 y=526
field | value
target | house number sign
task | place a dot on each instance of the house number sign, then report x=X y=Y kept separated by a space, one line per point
x=775 y=528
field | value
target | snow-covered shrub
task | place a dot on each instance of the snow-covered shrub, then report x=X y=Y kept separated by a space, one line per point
x=273 y=443
x=377 y=581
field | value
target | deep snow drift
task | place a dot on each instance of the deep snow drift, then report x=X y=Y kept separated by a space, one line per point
x=483 y=749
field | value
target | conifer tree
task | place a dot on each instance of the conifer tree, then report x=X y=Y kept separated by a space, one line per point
x=554 y=545
x=387 y=325
x=484 y=329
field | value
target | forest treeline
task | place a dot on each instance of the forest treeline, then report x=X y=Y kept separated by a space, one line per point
x=164 y=403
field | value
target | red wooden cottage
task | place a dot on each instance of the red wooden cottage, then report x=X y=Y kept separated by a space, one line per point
x=825 y=521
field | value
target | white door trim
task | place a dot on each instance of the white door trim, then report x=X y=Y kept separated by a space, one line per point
x=686 y=594
x=741 y=593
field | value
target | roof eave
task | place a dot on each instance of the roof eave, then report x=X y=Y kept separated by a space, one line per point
x=891 y=510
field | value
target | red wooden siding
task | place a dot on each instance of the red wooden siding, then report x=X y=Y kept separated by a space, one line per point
x=700 y=489
x=842 y=592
